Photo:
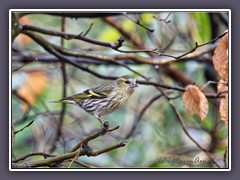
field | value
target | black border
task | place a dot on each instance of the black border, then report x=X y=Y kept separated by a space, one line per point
x=170 y=4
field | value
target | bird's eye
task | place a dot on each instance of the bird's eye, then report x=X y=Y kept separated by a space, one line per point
x=127 y=82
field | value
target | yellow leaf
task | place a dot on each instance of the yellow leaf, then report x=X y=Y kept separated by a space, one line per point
x=32 y=87
x=195 y=101
x=220 y=58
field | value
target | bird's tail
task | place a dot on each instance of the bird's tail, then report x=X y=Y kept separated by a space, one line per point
x=55 y=101
x=63 y=101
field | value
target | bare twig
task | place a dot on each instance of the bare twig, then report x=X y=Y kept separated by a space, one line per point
x=29 y=124
x=138 y=43
x=82 y=164
x=47 y=46
x=20 y=67
x=204 y=44
x=137 y=22
x=88 y=30
x=165 y=20
x=68 y=36
x=93 y=136
x=56 y=160
x=32 y=154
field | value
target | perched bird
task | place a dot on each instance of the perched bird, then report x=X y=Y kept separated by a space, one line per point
x=104 y=99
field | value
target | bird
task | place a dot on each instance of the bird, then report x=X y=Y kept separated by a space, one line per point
x=104 y=99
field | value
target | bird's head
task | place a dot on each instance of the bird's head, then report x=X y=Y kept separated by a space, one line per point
x=126 y=83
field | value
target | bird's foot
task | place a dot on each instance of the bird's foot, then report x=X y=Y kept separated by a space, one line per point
x=104 y=124
x=87 y=149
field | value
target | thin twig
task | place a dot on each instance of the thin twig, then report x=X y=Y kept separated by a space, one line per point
x=56 y=160
x=32 y=154
x=51 y=49
x=88 y=30
x=137 y=22
x=47 y=46
x=82 y=164
x=138 y=43
x=69 y=36
x=93 y=136
x=24 y=65
x=29 y=124
x=165 y=20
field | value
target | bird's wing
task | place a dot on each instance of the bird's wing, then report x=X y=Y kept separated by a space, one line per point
x=103 y=90
x=98 y=92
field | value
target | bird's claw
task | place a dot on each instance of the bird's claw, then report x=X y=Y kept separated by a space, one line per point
x=87 y=149
x=105 y=125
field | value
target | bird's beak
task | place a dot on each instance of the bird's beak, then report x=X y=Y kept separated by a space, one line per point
x=135 y=85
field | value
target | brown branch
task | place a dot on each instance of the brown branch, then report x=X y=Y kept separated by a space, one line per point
x=81 y=36
x=91 y=58
x=204 y=44
x=32 y=154
x=68 y=36
x=56 y=160
x=48 y=47
x=137 y=22
x=138 y=43
x=178 y=76
x=93 y=136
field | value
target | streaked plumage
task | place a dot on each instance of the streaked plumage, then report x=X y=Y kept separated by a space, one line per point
x=104 y=99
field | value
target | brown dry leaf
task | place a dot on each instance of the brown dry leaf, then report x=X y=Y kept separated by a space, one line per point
x=222 y=86
x=195 y=101
x=220 y=58
x=32 y=87
x=22 y=38
x=223 y=109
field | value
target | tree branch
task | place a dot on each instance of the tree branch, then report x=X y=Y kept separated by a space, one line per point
x=56 y=160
